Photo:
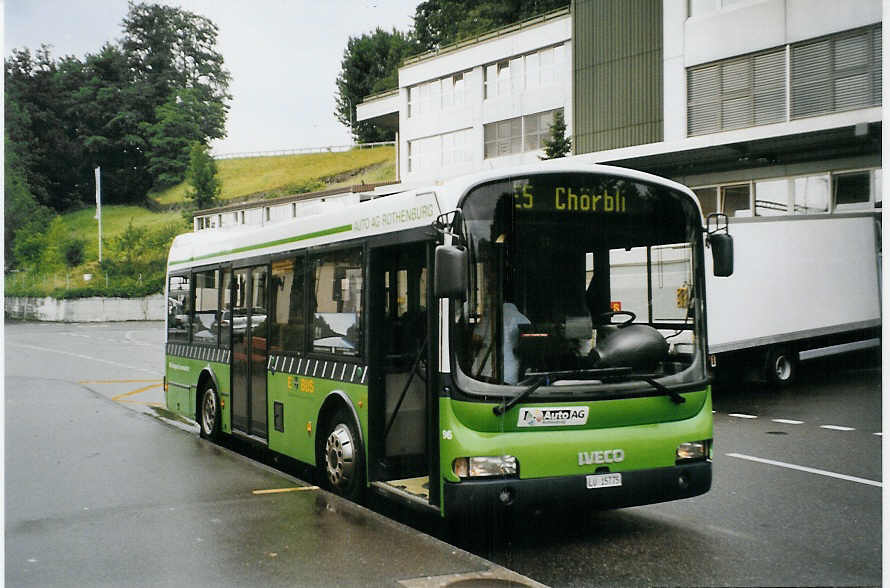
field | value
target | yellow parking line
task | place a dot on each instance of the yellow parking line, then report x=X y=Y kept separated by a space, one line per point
x=119 y=397
x=283 y=490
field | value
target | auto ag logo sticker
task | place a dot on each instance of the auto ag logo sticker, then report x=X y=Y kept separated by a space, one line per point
x=553 y=416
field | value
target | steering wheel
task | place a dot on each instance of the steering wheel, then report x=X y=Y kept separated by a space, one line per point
x=606 y=317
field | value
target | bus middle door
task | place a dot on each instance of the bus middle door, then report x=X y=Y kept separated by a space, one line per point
x=249 y=352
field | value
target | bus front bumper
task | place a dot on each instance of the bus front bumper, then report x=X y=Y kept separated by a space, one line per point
x=637 y=488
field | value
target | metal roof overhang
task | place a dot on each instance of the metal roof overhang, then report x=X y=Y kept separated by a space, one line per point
x=828 y=144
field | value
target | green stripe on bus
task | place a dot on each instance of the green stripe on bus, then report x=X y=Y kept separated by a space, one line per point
x=324 y=233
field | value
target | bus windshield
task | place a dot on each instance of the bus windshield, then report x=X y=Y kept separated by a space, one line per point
x=580 y=279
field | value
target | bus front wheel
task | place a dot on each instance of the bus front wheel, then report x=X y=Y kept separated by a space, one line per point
x=210 y=413
x=342 y=458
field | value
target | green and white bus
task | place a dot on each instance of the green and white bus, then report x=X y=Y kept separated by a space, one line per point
x=517 y=338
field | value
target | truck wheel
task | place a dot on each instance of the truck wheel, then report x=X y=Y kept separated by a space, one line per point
x=210 y=413
x=342 y=459
x=781 y=366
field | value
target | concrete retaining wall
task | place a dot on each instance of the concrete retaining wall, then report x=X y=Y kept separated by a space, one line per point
x=86 y=310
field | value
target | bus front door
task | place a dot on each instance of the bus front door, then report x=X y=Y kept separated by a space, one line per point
x=403 y=419
x=249 y=352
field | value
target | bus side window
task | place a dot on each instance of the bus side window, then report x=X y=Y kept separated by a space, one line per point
x=287 y=312
x=337 y=302
x=179 y=309
x=206 y=323
x=225 y=319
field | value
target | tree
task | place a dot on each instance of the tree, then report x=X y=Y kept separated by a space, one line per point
x=178 y=126
x=133 y=108
x=557 y=145
x=24 y=219
x=370 y=64
x=107 y=108
x=36 y=96
x=73 y=252
x=438 y=23
x=180 y=76
x=201 y=174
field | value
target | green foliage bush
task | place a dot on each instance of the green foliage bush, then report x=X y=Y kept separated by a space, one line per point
x=73 y=251
x=139 y=250
x=134 y=263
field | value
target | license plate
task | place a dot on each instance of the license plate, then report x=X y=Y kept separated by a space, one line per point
x=603 y=481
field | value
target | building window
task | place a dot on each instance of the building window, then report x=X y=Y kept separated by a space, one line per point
x=852 y=189
x=455 y=148
x=453 y=92
x=836 y=73
x=810 y=194
x=736 y=93
x=771 y=197
x=537 y=129
x=438 y=151
x=801 y=195
x=503 y=137
x=735 y=200
x=515 y=135
x=424 y=153
x=550 y=61
x=732 y=200
x=436 y=95
x=497 y=79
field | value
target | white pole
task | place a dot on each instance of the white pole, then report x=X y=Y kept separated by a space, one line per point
x=99 y=208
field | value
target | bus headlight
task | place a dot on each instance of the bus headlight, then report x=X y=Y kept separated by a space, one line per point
x=479 y=467
x=693 y=450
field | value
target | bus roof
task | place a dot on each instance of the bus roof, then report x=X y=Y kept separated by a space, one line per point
x=409 y=209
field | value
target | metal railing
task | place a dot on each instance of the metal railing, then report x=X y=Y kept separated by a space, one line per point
x=303 y=150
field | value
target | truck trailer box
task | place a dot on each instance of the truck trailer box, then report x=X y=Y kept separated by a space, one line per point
x=802 y=287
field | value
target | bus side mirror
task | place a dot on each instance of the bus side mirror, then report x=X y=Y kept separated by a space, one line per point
x=451 y=272
x=720 y=242
x=721 y=248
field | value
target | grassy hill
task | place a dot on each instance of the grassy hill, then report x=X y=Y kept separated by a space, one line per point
x=267 y=177
x=136 y=239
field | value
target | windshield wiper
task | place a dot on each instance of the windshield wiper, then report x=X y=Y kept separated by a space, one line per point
x=538 y=379
x=675 y=396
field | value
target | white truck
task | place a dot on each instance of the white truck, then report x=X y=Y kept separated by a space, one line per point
x=803 y=287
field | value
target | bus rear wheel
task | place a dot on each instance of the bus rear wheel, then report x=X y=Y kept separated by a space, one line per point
x=341 y=457
x=210 y=413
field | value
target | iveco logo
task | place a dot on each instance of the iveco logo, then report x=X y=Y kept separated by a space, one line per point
x=597 y=457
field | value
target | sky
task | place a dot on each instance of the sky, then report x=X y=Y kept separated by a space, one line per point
x=284 y=56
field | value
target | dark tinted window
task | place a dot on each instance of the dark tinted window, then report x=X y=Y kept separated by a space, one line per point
x=287 y=309
x=179 y=309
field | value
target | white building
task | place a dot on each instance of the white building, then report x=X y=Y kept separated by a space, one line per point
x=763 y=106
x=485 y=102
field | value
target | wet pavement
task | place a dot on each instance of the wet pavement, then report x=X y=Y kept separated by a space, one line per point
x=104 y=489
x=101 y=495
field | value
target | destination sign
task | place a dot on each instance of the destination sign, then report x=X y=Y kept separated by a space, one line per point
x=569 y=198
